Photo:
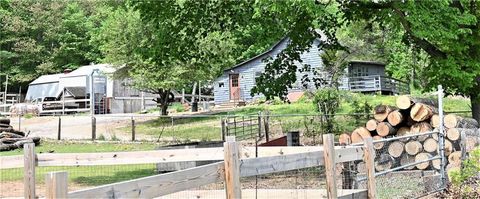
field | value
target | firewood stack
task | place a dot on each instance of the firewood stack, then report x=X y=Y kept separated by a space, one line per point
x=11 y=139
x=414 y=116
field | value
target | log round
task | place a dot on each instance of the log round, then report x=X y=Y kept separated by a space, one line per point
x=344 y=139
x=359 y=134
x=402 y=131
x=383 y=162
x=436 y=164
x=430 y=145
x=371 y=125
x=395 y=149
x=413 y=147
x=420 y=157
x=405 y=101
x=378 y=145
x=381 y=112
x=385 y=128
x=421 y=112
x=421 y=127
x=407 y=159
x=454 y=121
x=454 y=134
x=455 y=158
x=472 y=141
x=395 y=118
x=435 y=121
x=448 y=147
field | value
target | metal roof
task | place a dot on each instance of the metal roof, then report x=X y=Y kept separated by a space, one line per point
x=81 y=71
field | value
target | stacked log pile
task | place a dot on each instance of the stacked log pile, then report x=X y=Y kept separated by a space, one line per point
x=11 y=139
x=414 y=116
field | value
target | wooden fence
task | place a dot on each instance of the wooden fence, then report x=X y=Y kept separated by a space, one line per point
x=237 y=162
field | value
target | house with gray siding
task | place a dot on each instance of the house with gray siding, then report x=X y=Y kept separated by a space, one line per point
x=236 y=83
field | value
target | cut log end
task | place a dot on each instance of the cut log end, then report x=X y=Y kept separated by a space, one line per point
x=385 y=128
x=395 y=118
x=420 y=157
x=421 y=112
x=371 y=125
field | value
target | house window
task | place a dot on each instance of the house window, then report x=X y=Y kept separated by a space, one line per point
x=256 y=75
x=235 y=82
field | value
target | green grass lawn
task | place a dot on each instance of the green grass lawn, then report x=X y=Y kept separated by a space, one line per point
x=208 y=128
x=48 y=146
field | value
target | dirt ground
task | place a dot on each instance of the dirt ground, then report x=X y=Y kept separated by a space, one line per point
x=77 y=127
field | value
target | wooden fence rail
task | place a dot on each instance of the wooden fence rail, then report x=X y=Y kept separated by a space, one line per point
x=234 y=162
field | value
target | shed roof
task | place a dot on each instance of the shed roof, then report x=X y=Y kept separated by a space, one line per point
x=367 y=62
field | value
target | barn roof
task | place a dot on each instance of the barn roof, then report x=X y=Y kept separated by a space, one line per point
x=81 y=71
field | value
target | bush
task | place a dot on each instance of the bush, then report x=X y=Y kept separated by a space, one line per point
x=471 y=167
x=327 y=102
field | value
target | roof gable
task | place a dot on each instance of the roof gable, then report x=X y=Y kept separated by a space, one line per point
x=277 y=45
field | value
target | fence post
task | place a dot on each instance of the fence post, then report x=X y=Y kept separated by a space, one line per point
x=259 y=120
x=233 y=187
x=222 y=122
x=56 y=184
x=29 y=170
x=266 y=121
x=59 y=136
x=19 y=122
x=369 y=158
x=94 y=128
x=329 y=155
x=441 y=137
x=133 y=129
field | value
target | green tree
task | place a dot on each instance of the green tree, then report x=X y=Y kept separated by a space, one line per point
x=43 y=37
x=150 y=54
x=446 y=31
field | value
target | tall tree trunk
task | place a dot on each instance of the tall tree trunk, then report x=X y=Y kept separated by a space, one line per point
x=162 y=101
x=475 y=100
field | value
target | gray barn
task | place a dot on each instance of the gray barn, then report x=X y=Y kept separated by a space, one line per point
x=235 y=84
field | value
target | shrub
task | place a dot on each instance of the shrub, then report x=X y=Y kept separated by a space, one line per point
x=471 y=167
x=327 y=101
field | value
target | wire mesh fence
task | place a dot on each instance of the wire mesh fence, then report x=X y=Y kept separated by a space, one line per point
x=406 y=166
x=253 y=130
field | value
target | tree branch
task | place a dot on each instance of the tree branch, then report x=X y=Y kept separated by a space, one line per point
x=422 y=43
